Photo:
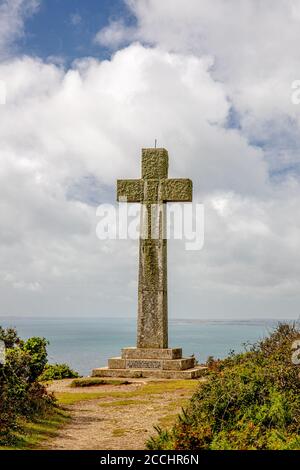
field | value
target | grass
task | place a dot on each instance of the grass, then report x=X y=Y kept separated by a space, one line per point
x=123 y=403
x=151 y=388
x=94 y=381
x=119 y=432
x=169 y=419
x=69 y=398
x=33 y=433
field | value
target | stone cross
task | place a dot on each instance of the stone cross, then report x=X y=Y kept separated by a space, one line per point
x=153 y=191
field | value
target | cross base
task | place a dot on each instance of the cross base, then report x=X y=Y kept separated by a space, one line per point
x=157 y=363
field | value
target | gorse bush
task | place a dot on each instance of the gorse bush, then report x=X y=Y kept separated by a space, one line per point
x=249 y=401
x=57 y=372
x=36 y=348
x=22 y=396
x=9 y=336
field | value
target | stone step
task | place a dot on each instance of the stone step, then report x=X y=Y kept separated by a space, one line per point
x=164 y=364
x=154 y=353
x=193 y=373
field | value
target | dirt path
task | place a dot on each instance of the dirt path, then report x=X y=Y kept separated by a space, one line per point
x=110 y=417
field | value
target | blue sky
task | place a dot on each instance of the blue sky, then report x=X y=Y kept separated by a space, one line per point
x=66 y=28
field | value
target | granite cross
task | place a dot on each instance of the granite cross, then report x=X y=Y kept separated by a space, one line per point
x=153 y=191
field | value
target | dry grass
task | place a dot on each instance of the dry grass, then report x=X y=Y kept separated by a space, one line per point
x=150 y=388
x=101 y=422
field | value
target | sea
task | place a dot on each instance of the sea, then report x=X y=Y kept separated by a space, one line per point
x=86 y=343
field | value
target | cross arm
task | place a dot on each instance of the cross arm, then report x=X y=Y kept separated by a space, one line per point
x=178 y=190
x=131 y=190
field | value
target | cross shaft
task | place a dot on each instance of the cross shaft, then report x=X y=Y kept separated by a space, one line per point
x=153 y=191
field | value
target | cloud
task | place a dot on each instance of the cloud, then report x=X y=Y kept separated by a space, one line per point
x=12 y=16
x=254 y=46
x=116 y=34
x=67 y=135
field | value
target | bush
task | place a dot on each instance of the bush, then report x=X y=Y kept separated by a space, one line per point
x=249 y=401
x=57 y=372
x=37 y=351
x=9 y=336
x=21 y=396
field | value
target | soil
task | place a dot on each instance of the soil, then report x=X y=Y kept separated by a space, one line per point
x=116 y=423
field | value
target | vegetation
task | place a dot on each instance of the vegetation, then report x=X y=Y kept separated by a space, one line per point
x=25 y=403
x=21 y=395
x=145 y=391
x=34 y=432
x=249 y=401
x=94 y=381
x=113 y=404
x=57 y=372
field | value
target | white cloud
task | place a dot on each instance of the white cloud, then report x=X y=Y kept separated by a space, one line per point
x=115 y=35
x=66 y=136
x=58 y=127
x=12 y=16
x=255 y=47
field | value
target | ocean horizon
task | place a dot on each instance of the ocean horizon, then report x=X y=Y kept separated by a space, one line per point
x=86 y=343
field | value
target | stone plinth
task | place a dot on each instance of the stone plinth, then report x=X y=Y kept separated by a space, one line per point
x=158 y=363
x=141 y=353
x=194 y=373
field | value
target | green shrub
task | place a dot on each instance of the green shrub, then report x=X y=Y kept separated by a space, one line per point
x=249 y=401
x=21 y=396
x=57 y=372
x=37 y=351
x=9 y=336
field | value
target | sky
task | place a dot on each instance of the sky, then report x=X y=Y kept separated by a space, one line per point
x=88 y=84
